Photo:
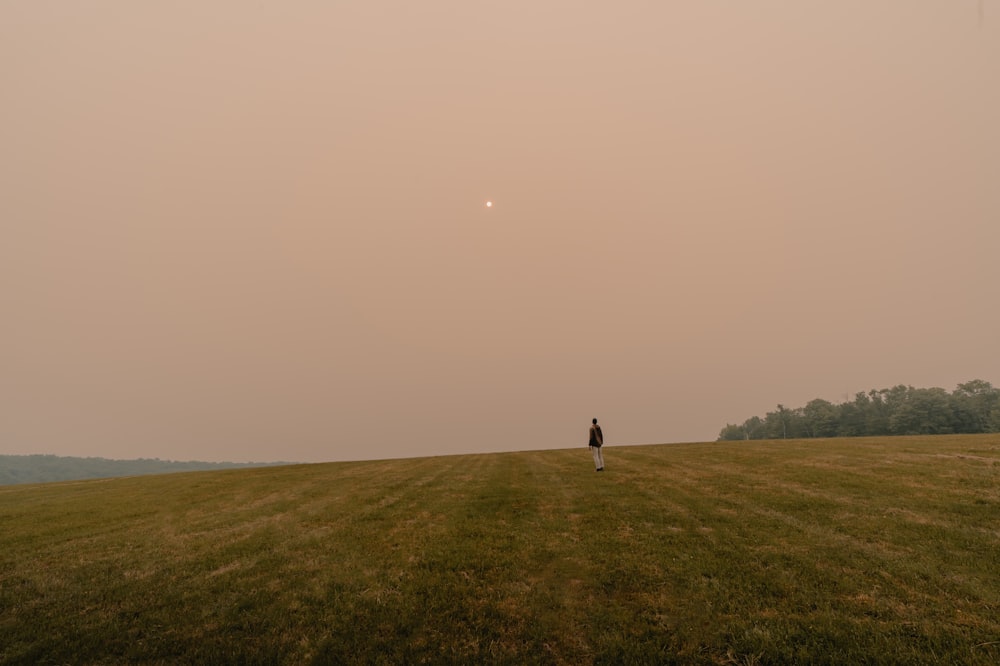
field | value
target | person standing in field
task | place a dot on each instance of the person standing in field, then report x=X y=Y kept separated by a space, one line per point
x=596 y=442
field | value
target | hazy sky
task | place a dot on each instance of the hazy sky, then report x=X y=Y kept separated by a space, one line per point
x=239 y=230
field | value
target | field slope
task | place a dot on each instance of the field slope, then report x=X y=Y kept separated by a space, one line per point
x=835 y=551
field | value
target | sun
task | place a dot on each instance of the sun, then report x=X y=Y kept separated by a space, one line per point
x=489 y=204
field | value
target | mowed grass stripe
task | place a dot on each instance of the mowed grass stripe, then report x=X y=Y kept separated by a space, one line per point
x=834 y=551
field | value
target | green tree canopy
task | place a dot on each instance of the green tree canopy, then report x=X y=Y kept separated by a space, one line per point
x=973 y=407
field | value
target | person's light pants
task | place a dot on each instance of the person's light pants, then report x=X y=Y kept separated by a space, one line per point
x=598 y=457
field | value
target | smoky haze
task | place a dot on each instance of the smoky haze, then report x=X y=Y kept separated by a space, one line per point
x=257 y=231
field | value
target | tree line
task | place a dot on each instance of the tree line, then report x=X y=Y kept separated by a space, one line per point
x=973 y=407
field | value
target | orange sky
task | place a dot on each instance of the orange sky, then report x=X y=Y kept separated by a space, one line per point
x=257 y=231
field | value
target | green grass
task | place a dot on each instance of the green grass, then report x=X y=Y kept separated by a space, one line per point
x=876 y=551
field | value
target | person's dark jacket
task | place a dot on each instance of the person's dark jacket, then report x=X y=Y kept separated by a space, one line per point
x=596 y=436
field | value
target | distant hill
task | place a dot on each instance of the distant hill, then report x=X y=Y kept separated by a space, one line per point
x=47 y=468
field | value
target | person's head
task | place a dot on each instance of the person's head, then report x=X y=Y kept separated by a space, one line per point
x=595 y=421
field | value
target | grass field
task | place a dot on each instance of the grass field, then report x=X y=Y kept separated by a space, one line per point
x=825 y=552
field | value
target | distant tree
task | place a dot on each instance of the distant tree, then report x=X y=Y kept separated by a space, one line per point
x=754 y=428
x=994 y=423
x=820 y=418
x=732 y=433
x=797 y=424
x=853 y=416
x=776 y=423
x=876 y=413
x=973 y=404
x=893 y=402
x=923 y=412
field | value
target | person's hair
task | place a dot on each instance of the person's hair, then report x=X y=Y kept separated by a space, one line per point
x=595 y=421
